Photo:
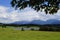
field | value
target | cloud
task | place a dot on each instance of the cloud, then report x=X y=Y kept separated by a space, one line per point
x=9 y=15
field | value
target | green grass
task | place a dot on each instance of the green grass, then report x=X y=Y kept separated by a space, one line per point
x=9 y=34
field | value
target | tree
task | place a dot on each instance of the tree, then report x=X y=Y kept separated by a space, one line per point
x=49 y=6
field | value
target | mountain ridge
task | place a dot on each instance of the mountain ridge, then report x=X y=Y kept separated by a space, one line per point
x=52 y=21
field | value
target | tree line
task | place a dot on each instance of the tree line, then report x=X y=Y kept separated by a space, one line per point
x=47 y=27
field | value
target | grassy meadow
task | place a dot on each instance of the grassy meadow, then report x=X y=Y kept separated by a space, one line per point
x=10 y=34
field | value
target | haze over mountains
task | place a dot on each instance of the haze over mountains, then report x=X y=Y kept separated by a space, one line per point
x=52 y=21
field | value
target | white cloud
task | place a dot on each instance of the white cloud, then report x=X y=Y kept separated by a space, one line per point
x=8 y=15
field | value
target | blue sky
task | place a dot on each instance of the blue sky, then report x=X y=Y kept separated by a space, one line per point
x=9 y=14
x=5 y=3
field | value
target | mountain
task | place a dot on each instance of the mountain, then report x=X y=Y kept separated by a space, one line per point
x=21 y=22
x=39 y=22
x=29 y=22
x=53 y=21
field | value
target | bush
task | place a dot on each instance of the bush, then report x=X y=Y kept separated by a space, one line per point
x=32 y=29
x=22 y=29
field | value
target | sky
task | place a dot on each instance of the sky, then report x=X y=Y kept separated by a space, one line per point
x=10 y=15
